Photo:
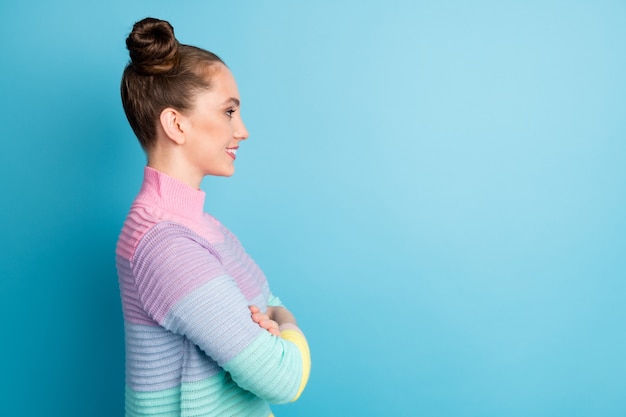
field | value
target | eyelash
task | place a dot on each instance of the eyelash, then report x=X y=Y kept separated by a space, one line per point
x=230 y=112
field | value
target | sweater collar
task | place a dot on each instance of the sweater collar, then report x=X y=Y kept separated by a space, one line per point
x=171 y=194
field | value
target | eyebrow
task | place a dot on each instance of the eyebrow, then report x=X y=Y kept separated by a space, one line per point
x=233 y=100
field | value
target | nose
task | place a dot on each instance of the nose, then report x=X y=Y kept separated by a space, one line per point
x=241 y=133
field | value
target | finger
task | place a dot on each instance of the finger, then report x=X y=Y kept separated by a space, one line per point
x=274 y=329
x=275 y=332
x=254 y=309
x=259 y=317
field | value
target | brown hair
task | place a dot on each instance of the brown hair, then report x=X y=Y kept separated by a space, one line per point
x=161 y=73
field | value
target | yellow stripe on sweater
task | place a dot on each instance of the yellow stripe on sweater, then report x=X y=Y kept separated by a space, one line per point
x=299 y=340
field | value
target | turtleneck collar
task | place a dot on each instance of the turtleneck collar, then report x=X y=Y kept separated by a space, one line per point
x=170 y=194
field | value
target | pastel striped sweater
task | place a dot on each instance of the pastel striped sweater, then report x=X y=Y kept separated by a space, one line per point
x=186 y=282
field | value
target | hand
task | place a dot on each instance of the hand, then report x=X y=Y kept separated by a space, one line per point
x=280 y=315
x=264 y=321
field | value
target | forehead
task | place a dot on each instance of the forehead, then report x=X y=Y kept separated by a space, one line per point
x=223 y=85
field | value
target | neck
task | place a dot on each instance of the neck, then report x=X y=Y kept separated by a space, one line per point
x=171 y=163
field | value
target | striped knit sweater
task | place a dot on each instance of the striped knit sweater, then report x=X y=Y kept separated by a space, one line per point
x=186 y=282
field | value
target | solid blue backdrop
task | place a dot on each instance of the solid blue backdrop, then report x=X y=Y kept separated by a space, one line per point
x=436 y=189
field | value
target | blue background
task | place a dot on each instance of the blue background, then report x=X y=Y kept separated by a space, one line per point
x=436 y=189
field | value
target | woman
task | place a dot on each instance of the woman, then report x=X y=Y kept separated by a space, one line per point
x=204 y=334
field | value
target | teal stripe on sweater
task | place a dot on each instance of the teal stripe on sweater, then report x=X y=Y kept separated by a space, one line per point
x=201 y=399
x=259 y=363
x=164 y=403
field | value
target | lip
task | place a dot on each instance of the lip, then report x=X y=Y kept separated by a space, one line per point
x=232 y=152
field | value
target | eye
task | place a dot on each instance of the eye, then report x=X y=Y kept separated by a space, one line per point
x=230 y=112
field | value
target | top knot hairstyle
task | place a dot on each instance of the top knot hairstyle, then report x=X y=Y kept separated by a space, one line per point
x=161 y=73
x=152 y=46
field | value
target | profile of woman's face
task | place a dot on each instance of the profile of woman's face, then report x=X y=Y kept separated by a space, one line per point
x=214 y=127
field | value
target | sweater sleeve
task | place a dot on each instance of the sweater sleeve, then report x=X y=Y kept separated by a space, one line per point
x=274 y=301
x=183 y=286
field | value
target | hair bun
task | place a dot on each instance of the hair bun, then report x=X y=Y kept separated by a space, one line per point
x=152 y=46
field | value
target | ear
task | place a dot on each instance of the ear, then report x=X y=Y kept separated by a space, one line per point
x=171 y=122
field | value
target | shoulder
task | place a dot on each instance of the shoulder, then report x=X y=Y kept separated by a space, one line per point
x=146 y=223
x=171 y=236
x=139 y=220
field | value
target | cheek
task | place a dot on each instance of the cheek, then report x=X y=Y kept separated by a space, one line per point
x=204 y=132
x=212 y=132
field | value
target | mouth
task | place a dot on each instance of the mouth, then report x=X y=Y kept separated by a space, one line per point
x=232 y=152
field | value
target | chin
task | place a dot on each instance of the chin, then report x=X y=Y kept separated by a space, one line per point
x=223 y=173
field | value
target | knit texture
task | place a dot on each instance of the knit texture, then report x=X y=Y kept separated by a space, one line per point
x=186 y=282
